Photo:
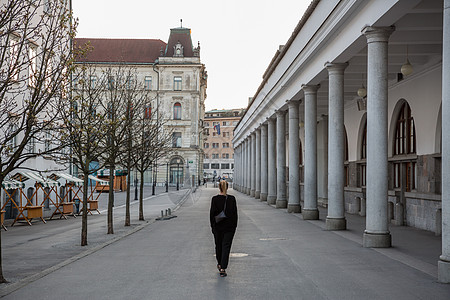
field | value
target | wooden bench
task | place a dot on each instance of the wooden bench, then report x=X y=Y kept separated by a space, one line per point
x=3 y=219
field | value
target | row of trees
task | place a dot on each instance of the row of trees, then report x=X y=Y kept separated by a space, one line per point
x=111 y=122
x=51 y=107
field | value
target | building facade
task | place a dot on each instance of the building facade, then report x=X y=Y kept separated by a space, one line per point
x=176 y=81
x=361 y=92
x=217 y=146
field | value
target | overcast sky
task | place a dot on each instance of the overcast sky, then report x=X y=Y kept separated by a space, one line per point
x=238 y=38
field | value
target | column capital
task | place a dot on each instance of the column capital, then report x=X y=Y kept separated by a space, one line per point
x=310 y=89
x=335 y=67
x=280 y=113
x=293 y=103
x=377 y=34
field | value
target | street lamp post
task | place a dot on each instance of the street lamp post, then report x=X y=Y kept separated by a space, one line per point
x=135 y=184
x=167 y=178
x=178 y=174
x=155 y=173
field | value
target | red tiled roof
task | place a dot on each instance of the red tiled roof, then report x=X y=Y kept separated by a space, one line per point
x=182 y=35
x=120 y=50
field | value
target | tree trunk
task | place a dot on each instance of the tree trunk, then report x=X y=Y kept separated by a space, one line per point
x=111 y=200
x=127 y=206
x=2 y=279
x=85 y=211
x=141 y=198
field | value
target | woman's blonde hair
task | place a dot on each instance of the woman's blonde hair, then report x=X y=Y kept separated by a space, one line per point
x=223 y=186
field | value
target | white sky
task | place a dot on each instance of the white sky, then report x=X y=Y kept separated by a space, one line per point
x=238 y=38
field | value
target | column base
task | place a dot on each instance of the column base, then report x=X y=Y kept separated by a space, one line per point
x=257 y=194
x=271 y=200
x=310 y=214
x=444 y=271
x=263 y=197
x=281 y=203
x=252 y=193
x=247 y=191
x=336 y=224
x=376 y=240
x=294 y=208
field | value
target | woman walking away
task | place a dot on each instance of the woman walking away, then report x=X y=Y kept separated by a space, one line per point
x=223 y=217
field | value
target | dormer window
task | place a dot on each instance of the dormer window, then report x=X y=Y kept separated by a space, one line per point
x=178 y=50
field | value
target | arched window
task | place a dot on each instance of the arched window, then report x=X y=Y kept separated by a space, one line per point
x=364 y=142
x=177 y=111
x=346 y=170
x=405 y=132
x=404 y=144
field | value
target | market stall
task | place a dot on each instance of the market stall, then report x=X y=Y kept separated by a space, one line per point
x=32 y=210
x=73 y=186
x=120 y=180
x=11 y=187
x=100 y=185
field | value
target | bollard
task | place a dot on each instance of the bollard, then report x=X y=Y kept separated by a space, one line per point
x=162 y=214
x=166 y=212
x=170 y=212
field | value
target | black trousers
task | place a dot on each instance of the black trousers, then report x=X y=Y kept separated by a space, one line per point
x=223 y=242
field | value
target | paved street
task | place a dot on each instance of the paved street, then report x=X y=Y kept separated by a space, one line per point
x=28 y=250
x=276 y=255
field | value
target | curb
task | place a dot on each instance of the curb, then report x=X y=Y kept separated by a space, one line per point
x=10 y=288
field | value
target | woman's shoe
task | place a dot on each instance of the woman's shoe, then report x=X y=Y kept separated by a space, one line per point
x=223 y=273
x=219 y=267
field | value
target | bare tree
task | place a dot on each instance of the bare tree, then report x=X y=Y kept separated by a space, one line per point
x=35 y=60
x=84 y=128
x=154 y=142
x=136 y=97
x=115 y=104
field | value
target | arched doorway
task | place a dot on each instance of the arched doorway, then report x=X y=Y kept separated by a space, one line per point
x=176 y=171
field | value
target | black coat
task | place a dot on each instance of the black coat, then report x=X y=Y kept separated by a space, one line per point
x=217 y=204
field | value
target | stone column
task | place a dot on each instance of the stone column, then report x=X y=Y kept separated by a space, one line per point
x=271 y=162
x=444 y=259
x=377 y=228
x=258 y=163
x=336 y=218
x=281 y=160
x=238 y=166
x=322 y=160
x=310 y=211
x=245 y=167
x=235 y=175
x=294 y=158
x=264 y=182
x=249 y=165
x=253 y=164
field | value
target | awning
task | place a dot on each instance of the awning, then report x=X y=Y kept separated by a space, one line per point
x=12 y=184
x=30 y=175
x=100 y=181
x=117 y=172
x=75 y=180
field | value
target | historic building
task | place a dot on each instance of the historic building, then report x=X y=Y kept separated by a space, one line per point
x=217 y=146
x=353 y=113
x=176 y=81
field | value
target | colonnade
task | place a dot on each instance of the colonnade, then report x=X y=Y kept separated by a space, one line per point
x=262 y=159
x=261 y=171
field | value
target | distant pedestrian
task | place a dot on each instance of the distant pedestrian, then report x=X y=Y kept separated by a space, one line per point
x=223 y=230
